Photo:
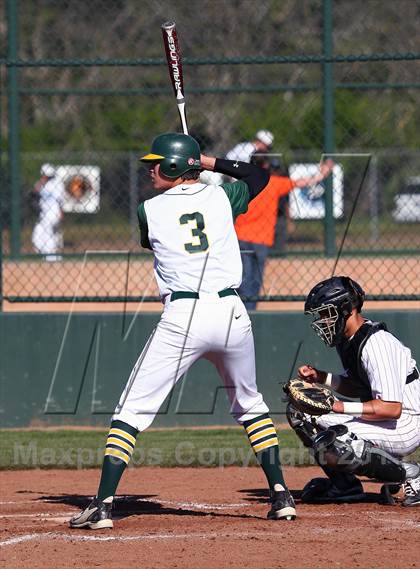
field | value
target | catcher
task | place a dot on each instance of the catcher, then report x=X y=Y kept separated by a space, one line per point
x=368 y=437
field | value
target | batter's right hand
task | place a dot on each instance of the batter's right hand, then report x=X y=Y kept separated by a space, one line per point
x=311 y=374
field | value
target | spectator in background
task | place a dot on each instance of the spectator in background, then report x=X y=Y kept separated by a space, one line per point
x=243 y=151
x=47 y=236
x=285 y=225
x=256 y=228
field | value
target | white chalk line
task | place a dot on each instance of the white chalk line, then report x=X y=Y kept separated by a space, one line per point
x=410 y=524
x=206 y=506
x=158 y=536
x=17 y=502
x=57 y=516
x=39 y=515
x=122 y=512
x=196 y=505
x=161 y=536
x=316 y=509
x=19 y=539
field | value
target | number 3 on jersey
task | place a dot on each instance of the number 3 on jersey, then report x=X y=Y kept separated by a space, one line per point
x=197 y=232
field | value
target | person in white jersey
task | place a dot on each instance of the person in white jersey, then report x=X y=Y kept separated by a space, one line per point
x=370 y=436
x=189 y=226
x=47 y=236
x=243 y=151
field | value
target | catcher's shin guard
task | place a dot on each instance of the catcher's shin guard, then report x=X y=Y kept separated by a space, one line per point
x=302 y=426
x=342 y=451
x=380 y=465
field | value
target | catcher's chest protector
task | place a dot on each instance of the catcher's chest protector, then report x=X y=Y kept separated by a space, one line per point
x=350 y=352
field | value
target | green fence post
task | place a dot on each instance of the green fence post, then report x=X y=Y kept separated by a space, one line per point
x=328 y=105
x=1 y=260
x=1 y=204
x=14 y=127
x=134 y=197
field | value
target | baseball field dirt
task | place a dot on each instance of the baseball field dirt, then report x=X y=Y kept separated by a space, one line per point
x=197 y=518
x=289 y=276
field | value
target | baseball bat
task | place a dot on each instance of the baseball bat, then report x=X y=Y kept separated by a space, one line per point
x=173 y=57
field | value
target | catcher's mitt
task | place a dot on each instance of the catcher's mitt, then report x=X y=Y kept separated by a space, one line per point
x=310 y=398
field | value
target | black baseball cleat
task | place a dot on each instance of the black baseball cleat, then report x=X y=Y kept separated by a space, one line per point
x=412 y=491
x=323 y=491
x=96 y=516
x=282 y=506
x=388 y=491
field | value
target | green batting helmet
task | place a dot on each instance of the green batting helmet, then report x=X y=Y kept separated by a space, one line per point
x=176 y=154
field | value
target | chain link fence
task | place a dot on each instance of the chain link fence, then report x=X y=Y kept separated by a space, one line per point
x=84 y=90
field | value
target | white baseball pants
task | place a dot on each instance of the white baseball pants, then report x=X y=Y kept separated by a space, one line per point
x=218 y=329
x=47 y=237
x=399 y=437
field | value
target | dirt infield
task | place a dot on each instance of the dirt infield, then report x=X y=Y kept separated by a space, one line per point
x=289 y=276
x=197 y=518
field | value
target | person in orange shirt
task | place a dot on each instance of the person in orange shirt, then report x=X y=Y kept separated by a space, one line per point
x=256 y=228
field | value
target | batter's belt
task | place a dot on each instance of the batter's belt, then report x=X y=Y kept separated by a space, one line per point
x=188 y=294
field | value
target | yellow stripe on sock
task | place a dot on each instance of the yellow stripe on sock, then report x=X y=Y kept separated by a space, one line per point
x=117 y=454
x=261 y=434
x=123 y=434
x=251 y=428
x=266 y=444
x=120 y=443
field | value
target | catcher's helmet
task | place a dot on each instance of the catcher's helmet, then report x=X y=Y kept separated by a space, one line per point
x=331 y=303
x=176 y=154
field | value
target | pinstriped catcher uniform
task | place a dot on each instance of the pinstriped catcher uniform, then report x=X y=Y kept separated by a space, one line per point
x=371 y=434
x=378 y=366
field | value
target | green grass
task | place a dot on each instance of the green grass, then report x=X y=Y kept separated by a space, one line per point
x=167 y=448
x=70 y=449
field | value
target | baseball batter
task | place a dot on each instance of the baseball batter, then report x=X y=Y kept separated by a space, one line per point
x=189 y=226
x=375 y=432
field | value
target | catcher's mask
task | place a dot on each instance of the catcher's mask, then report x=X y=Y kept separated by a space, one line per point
x=176 y=153
x=331 y=302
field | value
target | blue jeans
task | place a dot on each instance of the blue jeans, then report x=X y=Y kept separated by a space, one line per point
x=253 y=260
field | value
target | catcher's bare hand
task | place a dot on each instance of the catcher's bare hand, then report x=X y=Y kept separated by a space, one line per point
x=311 y=374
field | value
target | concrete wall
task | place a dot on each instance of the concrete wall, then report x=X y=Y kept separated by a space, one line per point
x=82 y=361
